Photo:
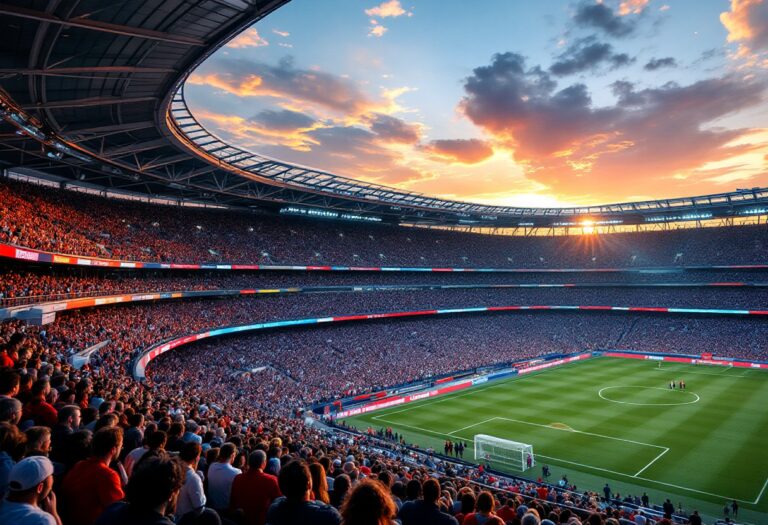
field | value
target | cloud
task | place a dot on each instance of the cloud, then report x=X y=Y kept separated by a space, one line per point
x=566 y=143
x=632 y=7
x=376 y=29
x=248 y=38
x=600 y=16
x=465 y=151
x=393 y=129
x=587 y=54
x=658 y=63
x=300 y=87
x=747 y=23
x=283 y=120
x=354 y=152
x=391 y=8
x=283 y=34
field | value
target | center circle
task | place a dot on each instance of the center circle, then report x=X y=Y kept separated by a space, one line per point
x=648 y=396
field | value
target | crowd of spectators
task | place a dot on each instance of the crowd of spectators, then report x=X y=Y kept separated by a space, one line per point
x=213 y=435
x=128 y=329
x=18 y=287
x=88 y=447
x=272 y=370
x=76 y=223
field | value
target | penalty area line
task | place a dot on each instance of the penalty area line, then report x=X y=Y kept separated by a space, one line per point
x=470 y=426
x=622 y=474
x=651 y=463
x=761 y=492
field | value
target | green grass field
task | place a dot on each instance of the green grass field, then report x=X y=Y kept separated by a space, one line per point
x=615 y=420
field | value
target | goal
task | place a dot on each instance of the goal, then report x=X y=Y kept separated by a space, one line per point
x=504 y=451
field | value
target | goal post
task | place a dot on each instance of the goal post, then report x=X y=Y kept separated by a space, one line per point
x=518 y=455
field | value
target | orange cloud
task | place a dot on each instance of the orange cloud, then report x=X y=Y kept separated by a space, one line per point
x=633 y=7
x=391 y=8
x=376 y=29
x=747 y=24
x=563 y=141
x=464 y=151
x=248 y=38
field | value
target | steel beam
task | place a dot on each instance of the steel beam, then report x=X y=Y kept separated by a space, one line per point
x=136 y=148
x=56 y=71
x=112 y=128
x=85 y=102
x=96 y=25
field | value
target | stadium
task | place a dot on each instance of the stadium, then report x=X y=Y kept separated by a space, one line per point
x=558 y=317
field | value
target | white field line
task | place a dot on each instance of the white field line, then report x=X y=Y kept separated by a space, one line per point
x=580 y=432
x=473 y=425
x=761 y=492
x=681 y=487
x=651 y=463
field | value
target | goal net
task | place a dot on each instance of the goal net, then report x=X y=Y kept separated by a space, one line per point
x=518 y=455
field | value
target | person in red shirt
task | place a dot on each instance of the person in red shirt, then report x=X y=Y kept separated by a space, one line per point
x=542 y=492
x=484 y=509
x=91 y=486
x=254 y=491
x=9 y=355
x=507 y=512
x=38 y=409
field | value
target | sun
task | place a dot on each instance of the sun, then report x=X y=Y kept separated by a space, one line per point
x=587 y=227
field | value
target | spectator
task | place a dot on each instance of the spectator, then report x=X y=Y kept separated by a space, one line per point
x=11 y=451
x=91 y=486
x=484 y=510
x=694 y=519
x=423 y=511
x=61 y=434
x=10 y=410
x=9 y=382
x=319 y=483
x=150 y=495
x=134 y=436
x=38 y=441
x=38 y=409
x=192 y=495
x=369 y=504
x=31 y=500
x=296 y=506
x=254 y=491
x=341 y=486
x=220 y=477
x=191 y=433
x=152 y=442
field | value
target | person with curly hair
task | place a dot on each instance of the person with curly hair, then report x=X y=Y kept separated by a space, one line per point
x=368 y=504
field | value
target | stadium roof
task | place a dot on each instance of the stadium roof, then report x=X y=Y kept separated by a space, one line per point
x=94 y=93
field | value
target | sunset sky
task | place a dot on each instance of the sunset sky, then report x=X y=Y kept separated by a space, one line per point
x=512 y=102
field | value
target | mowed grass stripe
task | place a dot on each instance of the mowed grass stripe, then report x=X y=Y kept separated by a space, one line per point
x=718 y=440
x=696 y=458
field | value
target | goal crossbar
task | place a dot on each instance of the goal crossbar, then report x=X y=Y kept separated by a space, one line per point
x=491 y=448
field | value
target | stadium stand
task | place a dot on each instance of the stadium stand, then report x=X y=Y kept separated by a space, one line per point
x=90 y=444
x=80 y=224
x=249 y=391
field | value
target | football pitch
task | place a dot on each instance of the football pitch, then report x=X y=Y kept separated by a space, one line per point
x=617 y=421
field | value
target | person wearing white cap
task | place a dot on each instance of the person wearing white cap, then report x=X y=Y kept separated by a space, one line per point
x=30 y=500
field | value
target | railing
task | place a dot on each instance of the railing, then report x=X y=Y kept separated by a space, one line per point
x=9 y=302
